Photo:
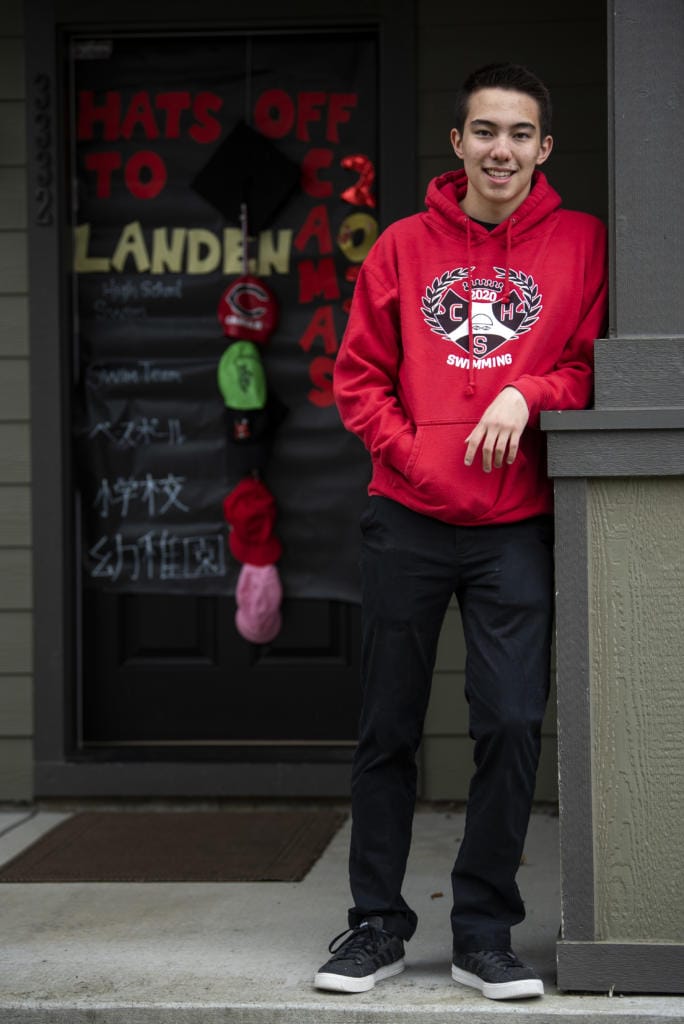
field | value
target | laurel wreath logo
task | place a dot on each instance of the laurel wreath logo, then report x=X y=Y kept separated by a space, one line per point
x=529 y=290
x=531 y=297
x=433 y=298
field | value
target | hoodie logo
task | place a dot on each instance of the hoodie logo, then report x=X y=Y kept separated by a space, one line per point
x=496 y=317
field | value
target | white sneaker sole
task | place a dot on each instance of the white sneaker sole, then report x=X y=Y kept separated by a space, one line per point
x=525 y=988
x=341 y=983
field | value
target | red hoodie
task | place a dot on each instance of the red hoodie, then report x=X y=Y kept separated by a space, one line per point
x=445 y=315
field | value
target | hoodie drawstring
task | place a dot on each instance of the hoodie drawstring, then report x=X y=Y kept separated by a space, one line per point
x=507 y=277
x=470 y=386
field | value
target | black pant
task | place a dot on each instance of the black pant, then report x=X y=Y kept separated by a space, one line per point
x=502 y=577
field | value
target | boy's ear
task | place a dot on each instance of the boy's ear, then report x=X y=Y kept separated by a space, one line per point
x=457 y=142
x=545 y=150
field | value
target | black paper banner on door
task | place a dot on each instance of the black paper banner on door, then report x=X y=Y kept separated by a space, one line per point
x=154 y=123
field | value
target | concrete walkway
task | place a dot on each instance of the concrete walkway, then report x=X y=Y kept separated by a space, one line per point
x=246 y=953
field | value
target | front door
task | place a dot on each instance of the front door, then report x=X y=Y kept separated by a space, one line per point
x=161 y=223
x=171 y=674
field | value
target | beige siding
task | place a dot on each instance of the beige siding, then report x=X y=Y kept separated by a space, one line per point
x=15 y=517
x=15 y=579
x=16 y=705
x=16 y=713
x=12 y=132
x=15 y=459
x=12 y=198
x=16 y=770
x=16 y=640
x=14 y=389
x=636 y=599
x=13 y=263
x=13 y=325
x=11 y=65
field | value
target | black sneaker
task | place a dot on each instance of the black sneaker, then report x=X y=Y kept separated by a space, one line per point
x=367 y=955
x=497 y=973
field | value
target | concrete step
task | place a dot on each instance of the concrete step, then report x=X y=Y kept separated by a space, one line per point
x=246 y=953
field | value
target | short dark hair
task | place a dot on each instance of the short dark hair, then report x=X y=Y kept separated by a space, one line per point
x=505 y=76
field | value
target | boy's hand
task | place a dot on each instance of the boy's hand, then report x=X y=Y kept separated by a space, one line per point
x=499 y=430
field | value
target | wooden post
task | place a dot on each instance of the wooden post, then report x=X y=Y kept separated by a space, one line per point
x=619 y=482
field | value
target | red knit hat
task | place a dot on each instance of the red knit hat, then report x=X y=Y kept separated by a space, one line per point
x=250 y=510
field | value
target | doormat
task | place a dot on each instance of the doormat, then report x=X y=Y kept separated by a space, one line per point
x=190 y=846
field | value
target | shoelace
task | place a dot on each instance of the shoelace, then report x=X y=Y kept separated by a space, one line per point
x=504 y=958
x=358 y=939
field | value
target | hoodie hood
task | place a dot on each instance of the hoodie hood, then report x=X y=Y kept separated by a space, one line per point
x=446 y=192
x=443 y=197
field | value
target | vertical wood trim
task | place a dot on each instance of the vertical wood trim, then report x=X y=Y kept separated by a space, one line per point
x=52 y=604
x=612 y=211
x=649 y=207
x=574 y=710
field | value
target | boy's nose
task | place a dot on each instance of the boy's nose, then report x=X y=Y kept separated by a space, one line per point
x=501 y=150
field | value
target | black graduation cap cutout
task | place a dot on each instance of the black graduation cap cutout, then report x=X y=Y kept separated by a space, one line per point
x=247 y=168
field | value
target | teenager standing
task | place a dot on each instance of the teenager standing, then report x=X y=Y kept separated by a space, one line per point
x=467 y=321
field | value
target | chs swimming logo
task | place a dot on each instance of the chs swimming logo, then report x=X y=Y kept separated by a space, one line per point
x=496 y=319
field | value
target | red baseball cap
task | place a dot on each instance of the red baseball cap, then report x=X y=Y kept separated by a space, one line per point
x=250 y=511
x=248 y=310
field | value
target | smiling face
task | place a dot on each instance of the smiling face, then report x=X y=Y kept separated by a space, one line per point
x=501 y=145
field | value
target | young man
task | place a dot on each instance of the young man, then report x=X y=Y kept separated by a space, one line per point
x=467 y=321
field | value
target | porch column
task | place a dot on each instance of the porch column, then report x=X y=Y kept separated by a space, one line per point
x=619 y=482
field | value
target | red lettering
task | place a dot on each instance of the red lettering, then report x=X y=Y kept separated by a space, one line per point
x=207 y=128
x=308 y=110
x=321 y=325
x=152 y=163
x=318 y=279
x=274 y=114
x=321 y=376
x=89 y=115
x=313 y=161
x=339 y=112
x=315 y=226
x=173 y=103
x=140 y=113
x=479 y=345
x=103 y=164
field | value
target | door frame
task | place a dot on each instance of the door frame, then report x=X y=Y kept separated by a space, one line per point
x=58 y=769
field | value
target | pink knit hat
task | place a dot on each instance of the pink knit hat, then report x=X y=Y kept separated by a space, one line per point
x=258 y=595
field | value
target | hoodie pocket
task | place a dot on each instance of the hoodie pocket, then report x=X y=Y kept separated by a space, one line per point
x=445 y=487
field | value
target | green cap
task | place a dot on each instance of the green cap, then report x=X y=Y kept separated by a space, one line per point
x=241 y=376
